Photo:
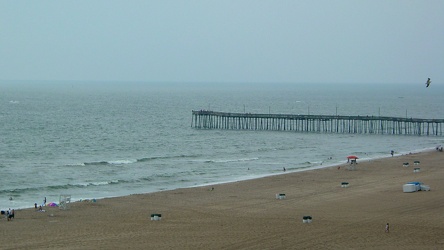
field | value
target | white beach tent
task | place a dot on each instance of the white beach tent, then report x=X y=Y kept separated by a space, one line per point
x=409 y=188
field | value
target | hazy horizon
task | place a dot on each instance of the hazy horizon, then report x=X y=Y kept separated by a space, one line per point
x=221 y=42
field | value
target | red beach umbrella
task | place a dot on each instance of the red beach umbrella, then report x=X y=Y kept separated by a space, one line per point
x=354 y=157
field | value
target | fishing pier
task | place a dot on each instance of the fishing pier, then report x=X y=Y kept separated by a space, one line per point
x=204 y=119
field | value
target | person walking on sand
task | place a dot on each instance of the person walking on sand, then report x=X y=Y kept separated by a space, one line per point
x=387 y=228
x=12 y=214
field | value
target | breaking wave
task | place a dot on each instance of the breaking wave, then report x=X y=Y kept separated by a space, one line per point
x=131 y=161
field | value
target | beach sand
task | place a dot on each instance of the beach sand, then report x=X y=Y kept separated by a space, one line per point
x=247 y=215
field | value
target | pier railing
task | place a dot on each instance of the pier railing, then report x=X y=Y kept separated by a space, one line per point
x=204 y=119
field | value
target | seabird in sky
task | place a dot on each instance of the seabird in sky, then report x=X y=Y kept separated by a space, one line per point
x=428 y=82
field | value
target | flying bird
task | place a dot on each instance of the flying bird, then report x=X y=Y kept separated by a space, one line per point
x=428 y=82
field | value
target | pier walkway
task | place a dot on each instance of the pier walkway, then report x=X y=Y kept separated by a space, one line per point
x=204 y=119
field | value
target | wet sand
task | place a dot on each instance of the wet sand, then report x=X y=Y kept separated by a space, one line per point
x=247 y=215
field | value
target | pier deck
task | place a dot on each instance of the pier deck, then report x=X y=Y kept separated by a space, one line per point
x=204 y=119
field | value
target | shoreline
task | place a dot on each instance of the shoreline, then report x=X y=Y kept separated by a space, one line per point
x=247 y=215
x=297 y=170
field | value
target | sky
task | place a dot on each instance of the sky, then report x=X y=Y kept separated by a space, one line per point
x=290 y=41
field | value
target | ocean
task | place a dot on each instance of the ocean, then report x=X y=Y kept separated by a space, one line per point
x=93 y=140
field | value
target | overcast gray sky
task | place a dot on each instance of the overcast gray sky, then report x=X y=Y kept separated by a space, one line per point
x=300 y=41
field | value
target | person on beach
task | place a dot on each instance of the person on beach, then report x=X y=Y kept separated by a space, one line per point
x=392 y=152
x=44 y=201
x=387 y=228
x=10 y=214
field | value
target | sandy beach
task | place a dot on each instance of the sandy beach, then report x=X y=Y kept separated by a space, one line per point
x=247 y=215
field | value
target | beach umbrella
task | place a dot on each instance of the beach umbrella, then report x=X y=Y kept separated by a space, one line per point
x=354 y=157
x=52 y=204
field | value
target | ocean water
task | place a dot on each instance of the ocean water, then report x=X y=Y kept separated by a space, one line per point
x=107 y=139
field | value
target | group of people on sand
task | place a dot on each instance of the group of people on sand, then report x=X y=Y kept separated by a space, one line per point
x=9 y=214
x=40 y=208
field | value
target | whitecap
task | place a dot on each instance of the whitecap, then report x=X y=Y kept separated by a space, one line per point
x=120 y=162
